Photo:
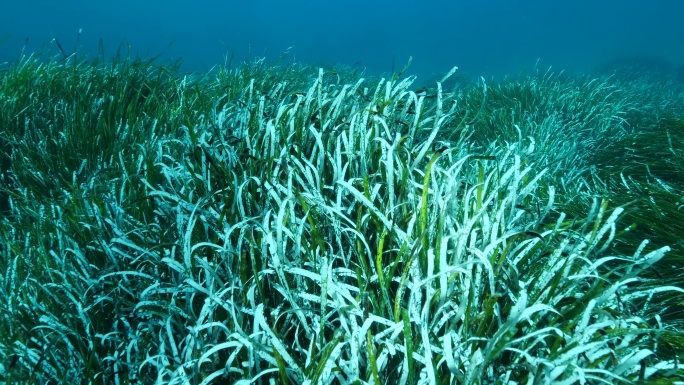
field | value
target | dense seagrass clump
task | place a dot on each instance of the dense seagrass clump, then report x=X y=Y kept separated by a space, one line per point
x=279 y=223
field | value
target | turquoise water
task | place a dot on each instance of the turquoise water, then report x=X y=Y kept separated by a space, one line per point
x=483 y=38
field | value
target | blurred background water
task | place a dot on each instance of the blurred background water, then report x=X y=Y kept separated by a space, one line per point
x=482 y=37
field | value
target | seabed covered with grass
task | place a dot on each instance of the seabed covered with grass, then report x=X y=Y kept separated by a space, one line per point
x=289 y=224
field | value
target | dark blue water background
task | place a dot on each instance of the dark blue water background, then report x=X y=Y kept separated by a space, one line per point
x=484 y=38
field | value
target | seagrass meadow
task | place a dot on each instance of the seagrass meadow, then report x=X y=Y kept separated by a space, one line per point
x=277 y=223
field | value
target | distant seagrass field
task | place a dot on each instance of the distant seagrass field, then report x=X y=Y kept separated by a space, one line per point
x=269 y=222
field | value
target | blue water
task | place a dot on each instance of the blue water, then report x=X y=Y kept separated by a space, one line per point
x=482 y=37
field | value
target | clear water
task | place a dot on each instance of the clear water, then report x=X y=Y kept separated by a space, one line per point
x=482 y=37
